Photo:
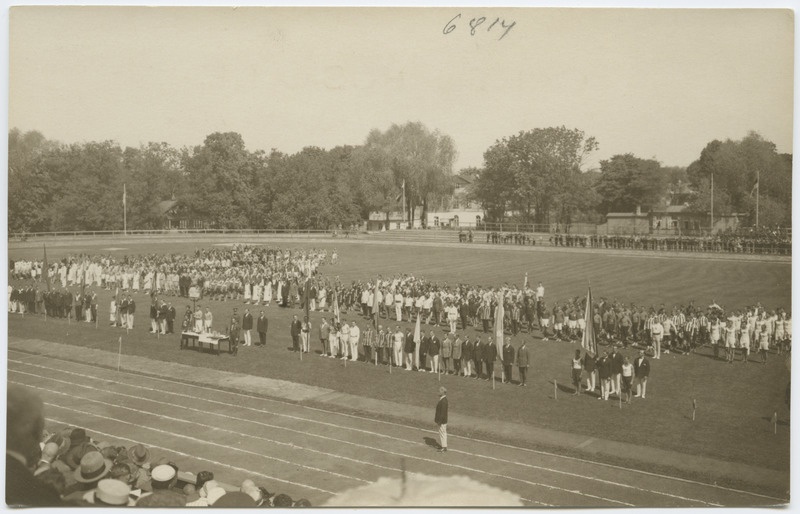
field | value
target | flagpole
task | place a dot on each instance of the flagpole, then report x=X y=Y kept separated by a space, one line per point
x=712 y=203
x=758 y=192
x=124 y=210
x=404 y=200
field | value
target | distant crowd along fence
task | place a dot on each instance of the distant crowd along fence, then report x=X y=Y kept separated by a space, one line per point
x=777 y=243
x=27 y=236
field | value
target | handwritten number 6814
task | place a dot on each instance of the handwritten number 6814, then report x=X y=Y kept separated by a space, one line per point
x=474 y=23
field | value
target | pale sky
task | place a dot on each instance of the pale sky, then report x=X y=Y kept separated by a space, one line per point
x=658 y=83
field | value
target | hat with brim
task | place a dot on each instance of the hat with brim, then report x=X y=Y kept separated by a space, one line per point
x=92 y=468
x=234 y=499
x=139 y=454
x=112 y=492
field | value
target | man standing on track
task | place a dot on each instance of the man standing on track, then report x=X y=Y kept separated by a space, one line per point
x=441 y=419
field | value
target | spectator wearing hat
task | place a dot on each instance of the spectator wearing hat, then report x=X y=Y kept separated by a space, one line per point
x=235 y=499
x=110 y=493
x=162 y=480
x=139 y=457
x=302 y=503
x=24 y=424
x=202 y=478
x=92 y=468
x=214 y=494
x=282 y=501
x=203 y=492
x=80 y=445
x=122 y=471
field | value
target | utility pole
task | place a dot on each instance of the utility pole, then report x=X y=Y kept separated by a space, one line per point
x=758 y=192
x=712 y=202
x=404 y=202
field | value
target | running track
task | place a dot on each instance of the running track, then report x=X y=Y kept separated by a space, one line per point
x=315 y=453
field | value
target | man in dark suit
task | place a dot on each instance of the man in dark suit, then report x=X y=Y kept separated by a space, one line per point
x=508 y=361
x=523 y=360
x=489 y=356
x=641 y=370
x=131 y=311
x=478 y=357
x=25 y=423
x=423 y=352
x=441 y=419
x=170 y=318
x=261 y=326
x=296 y=329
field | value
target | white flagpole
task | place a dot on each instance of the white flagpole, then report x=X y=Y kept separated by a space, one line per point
x=125 y=209
x=119 y=354
x=758 y=192
x=404 y=201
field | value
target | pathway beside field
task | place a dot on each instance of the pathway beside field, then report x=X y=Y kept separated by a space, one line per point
x=295 y=438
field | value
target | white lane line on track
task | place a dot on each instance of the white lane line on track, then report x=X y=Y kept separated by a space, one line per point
x=401 y=425
x=572 y=491
x=225 y=430
x=193 y=439
x=188 y=455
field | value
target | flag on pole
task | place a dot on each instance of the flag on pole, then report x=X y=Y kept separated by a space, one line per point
x=498 y=323
x=525 y=284
x=46 y=268
x=401 y=192
x=417 y=339
x=589 y=340
x=307 y=295
x=336 y=305
x=124 y=196
x=755 y=188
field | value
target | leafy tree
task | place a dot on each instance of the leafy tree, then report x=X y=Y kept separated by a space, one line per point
x=533 y=170
x=735 y=166
x=221 y=174
x=152 y=173
x=627 y=181
x=30 y=189
x=421 y=159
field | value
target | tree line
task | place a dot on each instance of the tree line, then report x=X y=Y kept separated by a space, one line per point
x=536 y=176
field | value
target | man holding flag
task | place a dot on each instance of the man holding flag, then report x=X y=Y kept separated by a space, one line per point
x=589 y=340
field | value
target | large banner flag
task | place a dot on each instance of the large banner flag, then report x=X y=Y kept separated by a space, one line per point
x=498 y=324
x=589 y=341
x=336 y=305
x=417 y=339
x=46 y=268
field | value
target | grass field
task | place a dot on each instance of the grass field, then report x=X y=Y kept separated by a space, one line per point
x=735 y=402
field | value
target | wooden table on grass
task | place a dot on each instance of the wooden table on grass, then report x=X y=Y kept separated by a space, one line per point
x=205 y=340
